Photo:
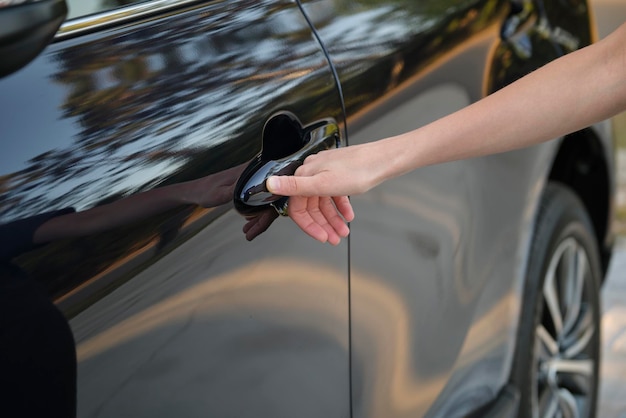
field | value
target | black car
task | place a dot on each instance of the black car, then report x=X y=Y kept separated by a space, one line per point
x=135 y=146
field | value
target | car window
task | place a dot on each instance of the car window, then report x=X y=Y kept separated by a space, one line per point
x=79 y=8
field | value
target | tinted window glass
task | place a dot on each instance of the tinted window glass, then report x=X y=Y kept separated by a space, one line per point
x=79 y=8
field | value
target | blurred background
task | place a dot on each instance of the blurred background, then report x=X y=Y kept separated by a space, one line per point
x=609 y=15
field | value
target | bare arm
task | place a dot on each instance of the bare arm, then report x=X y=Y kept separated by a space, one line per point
x=568 y=94
x=564 y=96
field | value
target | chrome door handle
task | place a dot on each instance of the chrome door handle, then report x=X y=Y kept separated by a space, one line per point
x=251 y=194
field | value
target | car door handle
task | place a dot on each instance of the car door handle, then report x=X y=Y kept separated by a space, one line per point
x=251 y=194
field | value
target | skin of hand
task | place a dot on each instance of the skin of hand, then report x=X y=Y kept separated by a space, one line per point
x=568 y=94
x=322 y=217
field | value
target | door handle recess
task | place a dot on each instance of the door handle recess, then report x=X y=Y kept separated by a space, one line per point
x=283 y=132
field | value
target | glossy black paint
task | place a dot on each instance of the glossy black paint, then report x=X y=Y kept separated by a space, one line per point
x=143 y=130
x=435 y=290
x=138 y=132
x=145 y=107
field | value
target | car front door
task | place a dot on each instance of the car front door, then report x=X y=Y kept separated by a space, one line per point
x=435 y=254
x=136 y=124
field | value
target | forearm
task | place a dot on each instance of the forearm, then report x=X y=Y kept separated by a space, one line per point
x=564 y=96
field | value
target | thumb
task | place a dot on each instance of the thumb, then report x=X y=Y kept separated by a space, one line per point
x=283 y=185
x=293 y=185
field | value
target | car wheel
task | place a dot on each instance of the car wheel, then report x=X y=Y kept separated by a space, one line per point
x=558 y=348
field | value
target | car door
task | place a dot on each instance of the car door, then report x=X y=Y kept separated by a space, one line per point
x=136 y=124
x=437 y=255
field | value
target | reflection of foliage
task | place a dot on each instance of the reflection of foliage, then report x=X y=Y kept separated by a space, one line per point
x=179 y=98
x=159 y=104
x=403 y=34
x=156 y=97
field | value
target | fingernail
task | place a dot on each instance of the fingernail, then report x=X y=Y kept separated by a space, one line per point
x=272 y=184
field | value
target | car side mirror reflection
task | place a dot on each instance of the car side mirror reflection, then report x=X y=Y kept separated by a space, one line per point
x=26 y=27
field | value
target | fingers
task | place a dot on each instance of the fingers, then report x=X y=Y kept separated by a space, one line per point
x=311 y=206
x=303 y=183
x=299 y=213
x=327 y=216
x=319 y=218
x=282 y=185
x=344 y=207
x=295 y=185
x=322 y=218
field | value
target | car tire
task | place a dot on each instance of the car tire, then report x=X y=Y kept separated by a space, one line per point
x=558 y=348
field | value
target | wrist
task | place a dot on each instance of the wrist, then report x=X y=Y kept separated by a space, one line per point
x=396 y=156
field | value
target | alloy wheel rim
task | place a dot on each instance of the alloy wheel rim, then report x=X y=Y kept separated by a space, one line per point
x=564 y=356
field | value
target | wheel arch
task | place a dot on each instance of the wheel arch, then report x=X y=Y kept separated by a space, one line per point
x=582 y=164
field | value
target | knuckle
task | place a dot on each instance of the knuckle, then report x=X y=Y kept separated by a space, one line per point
x=292 y=184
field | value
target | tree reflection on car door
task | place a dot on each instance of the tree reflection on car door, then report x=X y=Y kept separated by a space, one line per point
x=144 y=128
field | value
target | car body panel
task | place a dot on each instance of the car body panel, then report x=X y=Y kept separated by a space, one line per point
x=438 y=255
x=173 y=311
x=141 y=119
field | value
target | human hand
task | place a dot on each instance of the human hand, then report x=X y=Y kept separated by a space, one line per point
x=319 y=188
x=318 y=217
x=321 y=217
x=337 y=172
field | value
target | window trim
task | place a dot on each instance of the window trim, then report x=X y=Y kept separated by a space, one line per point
x=83 y=24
